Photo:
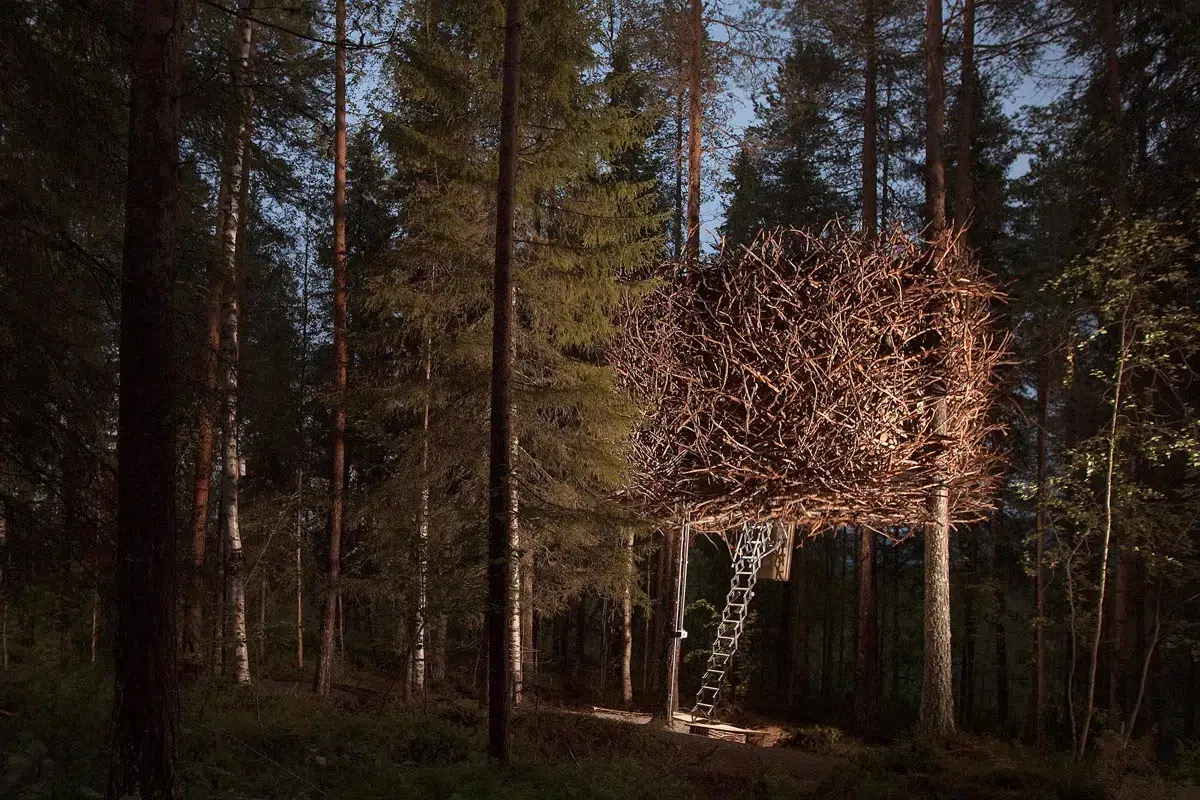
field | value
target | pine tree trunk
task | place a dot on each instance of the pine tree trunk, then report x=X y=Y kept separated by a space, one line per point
x=1043 y=420
x=341 y=355
x=937 y=684
x=145 y=721
x=797 y=673
x=661 y=603
x=262 y=622
x=422 y=622
x=866 y=662
x=300 y=509
x=500 y=511
x=896 y=662
x=581 y=637
x=437 y=666
x=94 y=641
x=695 y=120
x=4 y=569
x=677 y=221
x=827 y=625
x=885 y=194
x=966 y=681
x=668 y=693
x=841 y=541
x=627 y=625
x=300 y=568
x=935 y=121
x=221 y=617
x=230 y=226
x=603 y=649
x=966 y=119
x=1001 y=633
x=1112 y=88
x=870 y=210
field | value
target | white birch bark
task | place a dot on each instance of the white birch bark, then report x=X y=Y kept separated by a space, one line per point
x=514 y=586
x=422 y=621
x=233 y=181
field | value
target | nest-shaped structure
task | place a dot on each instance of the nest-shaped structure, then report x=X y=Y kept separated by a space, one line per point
x=799 y=380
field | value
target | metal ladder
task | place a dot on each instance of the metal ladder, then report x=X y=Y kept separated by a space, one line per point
x=756 y=543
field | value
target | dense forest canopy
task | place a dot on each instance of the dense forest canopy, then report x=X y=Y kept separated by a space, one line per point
x=312 y=391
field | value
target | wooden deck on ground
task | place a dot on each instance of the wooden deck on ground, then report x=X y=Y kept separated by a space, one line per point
x=720 y=730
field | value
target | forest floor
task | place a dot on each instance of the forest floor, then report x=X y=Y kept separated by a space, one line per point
x=277 y=741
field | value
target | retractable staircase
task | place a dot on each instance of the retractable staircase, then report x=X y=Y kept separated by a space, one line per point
x=755 y=543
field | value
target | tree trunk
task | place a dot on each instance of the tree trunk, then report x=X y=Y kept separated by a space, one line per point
x=937 y=684
x=843 y=548
x=966 y=680
x=300 y=568
x=695 y=121
x=866 y=661
x=300 y=509
x=528 y=652
x=514 y=583
x=935 y=121
x=797 y=673
x=230 y=227
x=677 y=546
x=262 y=622
x=146 y=699
x=1112 y=88
x=870 y=210
x=966 y=119
x=581 y=632
x=1150 y=647
x=341 y=356
x=94 y=641
x=500 y=510
x=896 y=662
x=886 y=194
x=437 y=666
x=422 y=622
x=1119 y=634
x=1043 y=419
x=627 y=625
x=1106 y=542
x=202 y=479
x=827 y=625
x=1001 y=633
x=677 y=221
x=221 y=617
x=662 y=604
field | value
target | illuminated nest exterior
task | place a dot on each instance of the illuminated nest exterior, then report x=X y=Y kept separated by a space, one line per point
x=796 y=380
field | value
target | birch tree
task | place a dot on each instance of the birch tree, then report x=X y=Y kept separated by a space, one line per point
x=229 y=224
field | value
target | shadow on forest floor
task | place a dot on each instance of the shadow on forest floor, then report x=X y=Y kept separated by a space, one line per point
x=276 y=741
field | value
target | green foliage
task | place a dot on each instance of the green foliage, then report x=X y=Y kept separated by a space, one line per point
x=588 y=216
x=781 y=174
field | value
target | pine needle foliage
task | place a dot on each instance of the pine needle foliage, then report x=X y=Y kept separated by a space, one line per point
x=583 y=226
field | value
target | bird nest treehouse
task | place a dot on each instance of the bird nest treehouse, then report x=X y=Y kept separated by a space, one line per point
x=808 y=380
